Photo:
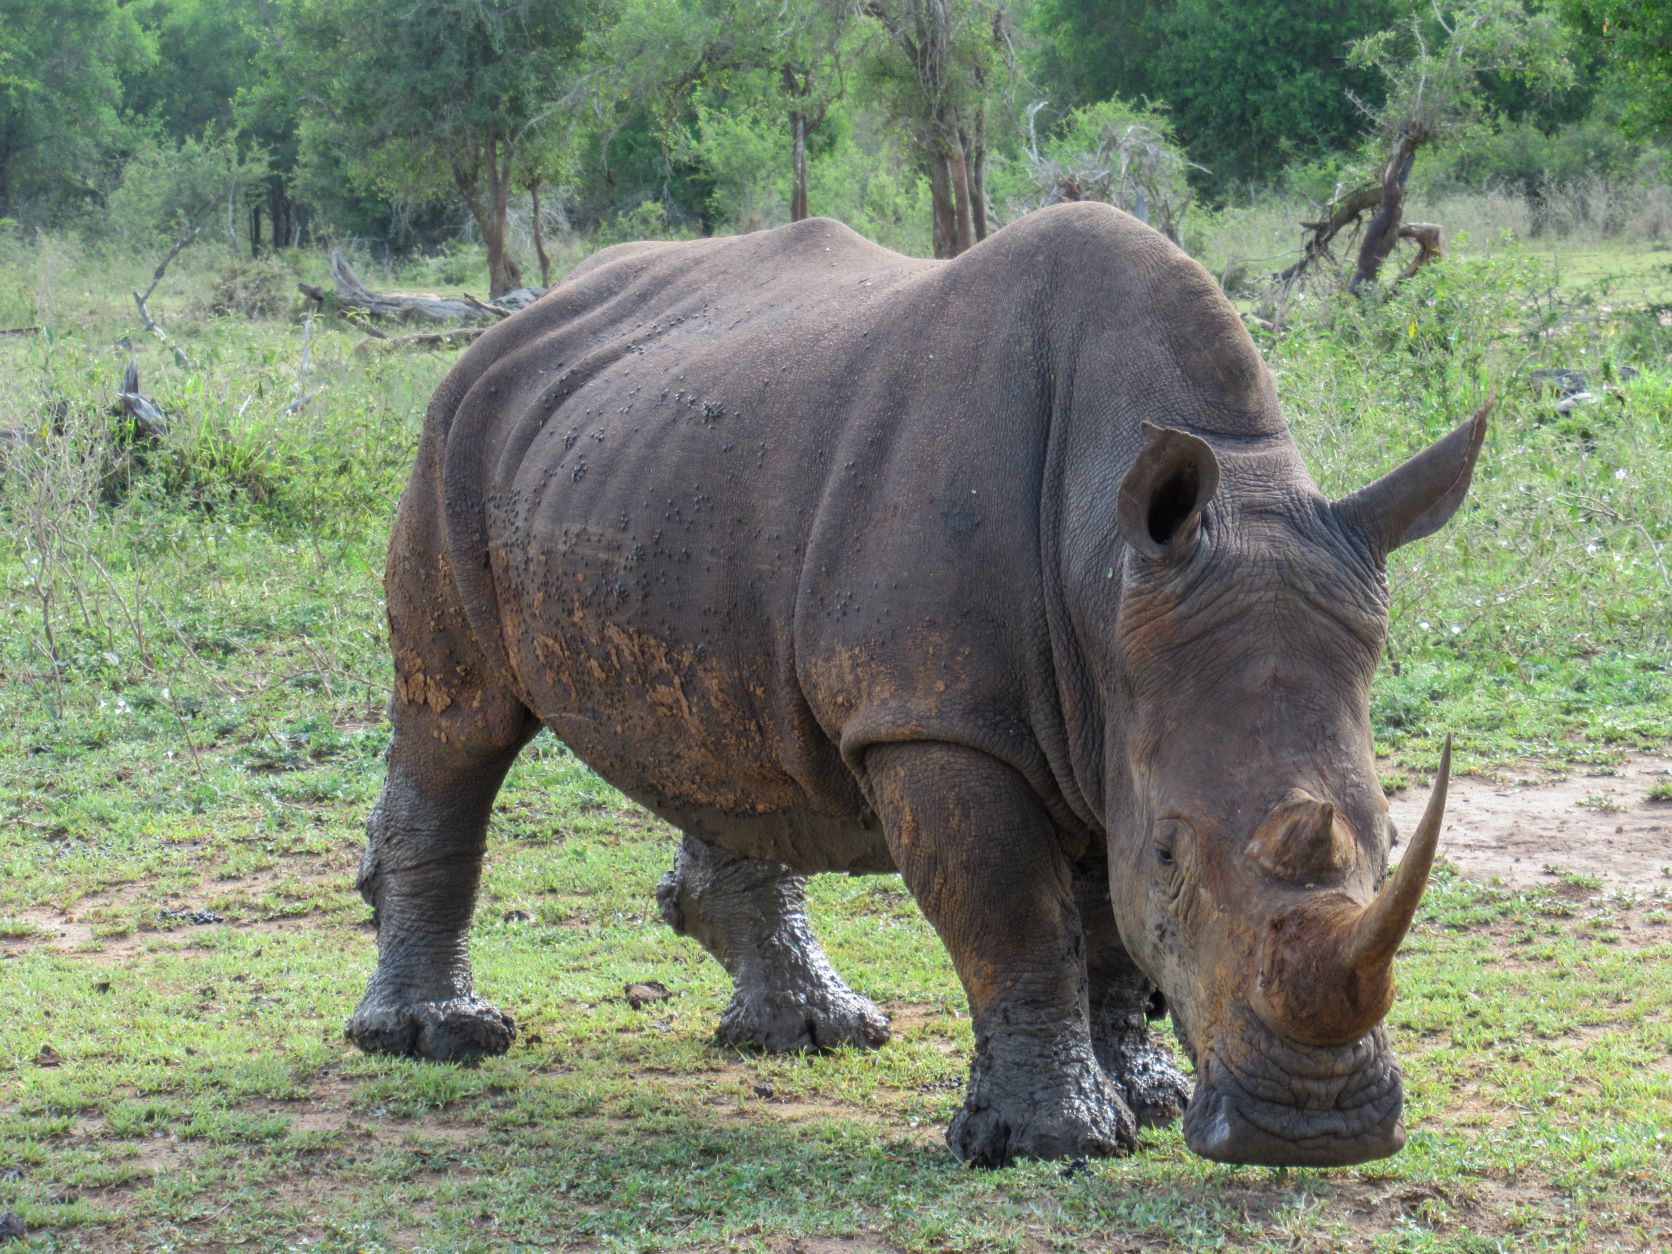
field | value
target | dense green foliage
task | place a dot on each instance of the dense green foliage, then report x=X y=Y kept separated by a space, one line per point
x=1251 y=86
x=924 y=124
x=61 y=97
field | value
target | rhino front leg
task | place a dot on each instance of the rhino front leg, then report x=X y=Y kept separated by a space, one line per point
x=984 y=861
x=1122 y=1001
x=751 y=915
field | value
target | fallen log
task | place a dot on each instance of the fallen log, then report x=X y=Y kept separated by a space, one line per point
x=424 y=339
x=351 y=293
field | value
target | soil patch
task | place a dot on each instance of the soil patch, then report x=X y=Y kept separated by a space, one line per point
x=1526 y=829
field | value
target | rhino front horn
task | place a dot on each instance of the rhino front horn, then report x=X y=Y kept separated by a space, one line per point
x=1328 y=975
x=1381 y=927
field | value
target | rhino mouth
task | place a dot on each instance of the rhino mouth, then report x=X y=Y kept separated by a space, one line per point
x=1275 y=1103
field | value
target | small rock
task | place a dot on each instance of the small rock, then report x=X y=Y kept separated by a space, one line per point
x=766 y=1091
x=102 y=986
x=640 y=995
x=11 y=1227
x=519 y=916
x=48 y=1057
x=1074 y=1167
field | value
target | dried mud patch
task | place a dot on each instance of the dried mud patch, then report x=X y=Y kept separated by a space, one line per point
x=1529 y=828
x=112 y=925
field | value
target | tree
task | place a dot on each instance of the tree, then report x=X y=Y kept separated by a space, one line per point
x=937 y=63
x=61 y=68
x=1433 y=66
x=438 y=97
x=1090 y=50
x=806 y=42
x=1250 y=85
x=214 y=77
x=669 y=59
x=1634 y=39
x=205 y=50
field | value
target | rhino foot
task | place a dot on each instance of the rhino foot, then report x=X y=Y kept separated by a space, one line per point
x=461 y=1029
x=1142 y=1069
x=1084 y=1118
x=802 y=1021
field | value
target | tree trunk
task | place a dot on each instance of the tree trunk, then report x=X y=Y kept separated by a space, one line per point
x=975 y=153
x=491 y=213
x=504 y=275
x=943 y=212
x=539 y=234
x=1383 y=232
x=798 y=166
x=255 y=229
x=961 y=190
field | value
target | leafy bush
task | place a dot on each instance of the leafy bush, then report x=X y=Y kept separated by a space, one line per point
x=1115 y=152
x=258 y=287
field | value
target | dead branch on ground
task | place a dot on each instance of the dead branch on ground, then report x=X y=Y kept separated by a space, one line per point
x=351 y=293
x=145 y=317
x=301 y=399
x=149 y=421
x=424 y=339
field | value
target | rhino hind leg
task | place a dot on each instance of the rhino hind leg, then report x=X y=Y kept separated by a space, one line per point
x=1122 y=1002
x=751 y=915
x=425 y=841
x=987 y=867
x=456 y=732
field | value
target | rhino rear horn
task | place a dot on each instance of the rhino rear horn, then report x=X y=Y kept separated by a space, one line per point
x=1162 y=496
x=1417 y=498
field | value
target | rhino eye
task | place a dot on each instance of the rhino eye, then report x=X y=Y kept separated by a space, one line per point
x=1166 y=836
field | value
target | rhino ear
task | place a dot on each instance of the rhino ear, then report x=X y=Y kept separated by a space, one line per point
x=1416 y=499
x=1162 y=496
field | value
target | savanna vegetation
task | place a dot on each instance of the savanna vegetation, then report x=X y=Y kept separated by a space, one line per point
x=194 y=671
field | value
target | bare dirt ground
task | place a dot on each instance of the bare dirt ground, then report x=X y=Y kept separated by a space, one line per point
x=1530 y=827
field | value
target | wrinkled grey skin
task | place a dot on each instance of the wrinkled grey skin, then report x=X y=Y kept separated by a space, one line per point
x=814 y=550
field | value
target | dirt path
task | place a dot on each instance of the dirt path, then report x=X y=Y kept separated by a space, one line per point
x=1527 y=827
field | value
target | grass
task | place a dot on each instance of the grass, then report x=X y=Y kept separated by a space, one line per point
x=194 y=673
x=1630 y=277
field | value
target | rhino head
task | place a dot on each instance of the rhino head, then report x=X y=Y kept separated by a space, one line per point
x=1249 y=871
